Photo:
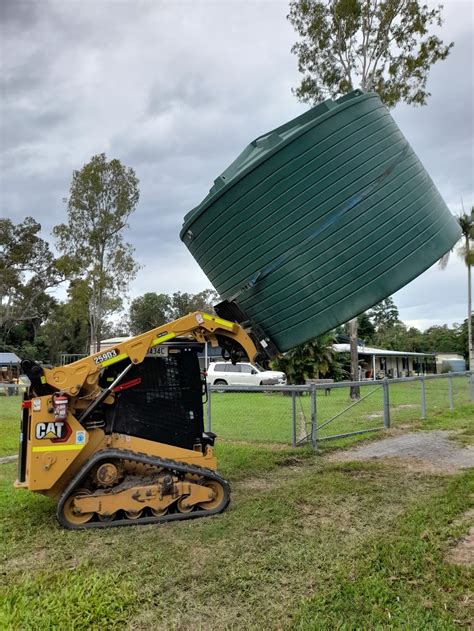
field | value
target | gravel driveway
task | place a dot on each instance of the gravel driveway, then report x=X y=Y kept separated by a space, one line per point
x=431 y=451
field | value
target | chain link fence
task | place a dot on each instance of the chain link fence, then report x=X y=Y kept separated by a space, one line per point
x=12 y=389
x=296 y=415
x=257 y=413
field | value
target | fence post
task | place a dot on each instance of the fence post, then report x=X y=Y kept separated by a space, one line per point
x=471 y=380
x=208 y=409
x=314 y=428
x=293 y=407
x=451 y=398
x=423 y=398
x=386 y=404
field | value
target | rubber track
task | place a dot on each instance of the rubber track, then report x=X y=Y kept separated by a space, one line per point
x=172 y=465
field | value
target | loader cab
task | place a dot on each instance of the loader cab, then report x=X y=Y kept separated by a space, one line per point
x=160 y=399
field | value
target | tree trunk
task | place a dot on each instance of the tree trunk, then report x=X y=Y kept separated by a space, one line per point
x=92 y=338
x=93 y=326
x=303 y=432
x=469 y=310
x=355 y=390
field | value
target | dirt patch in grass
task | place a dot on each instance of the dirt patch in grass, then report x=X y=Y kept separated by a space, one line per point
x=425 y=466
x=291 y=461
x=6 y=459
x=34 y=559
x=406 y=406
x=258 y=484
x=290 y=468
x=463 y=551
x=467 y=516
x=428 y=452
x=311 y=517
x=253 y=443
x=401 y=428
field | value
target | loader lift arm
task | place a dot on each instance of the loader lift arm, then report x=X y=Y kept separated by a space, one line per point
x=81 y=377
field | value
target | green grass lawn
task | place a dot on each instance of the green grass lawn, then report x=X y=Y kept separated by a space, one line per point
x=305 y=544
x=10 y=408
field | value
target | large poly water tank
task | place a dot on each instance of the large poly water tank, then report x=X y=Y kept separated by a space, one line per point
x=320 y=219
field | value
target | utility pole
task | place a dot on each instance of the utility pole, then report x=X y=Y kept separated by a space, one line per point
x=469 y=303
x=469 y=330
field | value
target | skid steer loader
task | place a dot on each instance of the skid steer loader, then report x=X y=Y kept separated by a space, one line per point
x=117 y=438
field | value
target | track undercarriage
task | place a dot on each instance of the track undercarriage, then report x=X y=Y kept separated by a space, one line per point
x=119 y=488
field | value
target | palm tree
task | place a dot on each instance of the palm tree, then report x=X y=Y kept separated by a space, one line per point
x=466 y=251
x=309 y=360
x=321 y=351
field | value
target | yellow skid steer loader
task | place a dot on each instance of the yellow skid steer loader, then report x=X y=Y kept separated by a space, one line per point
x=117 y=438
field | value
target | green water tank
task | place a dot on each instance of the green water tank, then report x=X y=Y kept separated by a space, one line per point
x=320 y=219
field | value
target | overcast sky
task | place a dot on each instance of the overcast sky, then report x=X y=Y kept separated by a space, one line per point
x=176 y=90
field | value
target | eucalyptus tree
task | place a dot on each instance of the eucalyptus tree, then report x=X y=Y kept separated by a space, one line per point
x=376 y=45
x=102 y=196
x=28 y=271
x=380 y=45
x=152 y=309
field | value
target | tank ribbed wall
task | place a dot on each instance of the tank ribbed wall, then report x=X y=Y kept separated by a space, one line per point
x=335 y=212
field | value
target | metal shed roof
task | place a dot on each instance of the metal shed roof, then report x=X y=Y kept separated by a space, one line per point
x=9 y=358
x=367 y=350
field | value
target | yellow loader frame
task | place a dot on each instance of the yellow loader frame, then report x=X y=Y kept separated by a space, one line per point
x=49 y=463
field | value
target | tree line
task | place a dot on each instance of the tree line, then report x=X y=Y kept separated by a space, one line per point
x=36 y=325
x=379 y=327
x=93 y=259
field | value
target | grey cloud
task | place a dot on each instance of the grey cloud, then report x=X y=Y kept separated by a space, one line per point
x=18 y=13
x=192 y=91
x=25 y=80
x=442 y=132
x=26 y=126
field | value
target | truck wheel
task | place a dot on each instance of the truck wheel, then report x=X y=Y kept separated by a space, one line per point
x=220 y=382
